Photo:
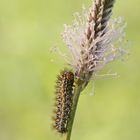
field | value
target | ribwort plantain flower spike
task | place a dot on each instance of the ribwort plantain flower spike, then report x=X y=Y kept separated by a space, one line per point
x=93 y=40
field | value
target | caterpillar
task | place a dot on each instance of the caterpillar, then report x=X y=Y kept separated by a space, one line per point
x=64 y=97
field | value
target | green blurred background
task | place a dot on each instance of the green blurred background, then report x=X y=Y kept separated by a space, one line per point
x=28 y=29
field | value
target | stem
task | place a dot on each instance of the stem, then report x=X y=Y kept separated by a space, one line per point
x=79 y=87
x=77 y=91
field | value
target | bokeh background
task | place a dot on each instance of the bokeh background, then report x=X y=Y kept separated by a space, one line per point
x=28 y=29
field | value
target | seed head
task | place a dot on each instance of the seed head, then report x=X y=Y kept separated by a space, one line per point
x=94 y=39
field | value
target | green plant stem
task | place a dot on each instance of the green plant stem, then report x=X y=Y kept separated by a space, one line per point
x=79 y=87
x=77 y=91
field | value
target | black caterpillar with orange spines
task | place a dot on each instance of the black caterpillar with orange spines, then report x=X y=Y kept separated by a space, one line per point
x=64 y=97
